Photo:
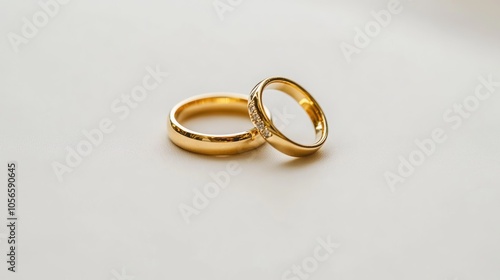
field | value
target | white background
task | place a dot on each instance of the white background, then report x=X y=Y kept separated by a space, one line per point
x=117 y=213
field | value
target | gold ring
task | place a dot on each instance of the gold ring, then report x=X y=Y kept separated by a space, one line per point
x=208 y=144
x=261 y=119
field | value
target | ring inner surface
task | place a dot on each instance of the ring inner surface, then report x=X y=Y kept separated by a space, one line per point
x=305 y=102
x=212 y=106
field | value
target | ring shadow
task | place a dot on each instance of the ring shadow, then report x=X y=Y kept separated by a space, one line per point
x=258 y=153
x=303 y=161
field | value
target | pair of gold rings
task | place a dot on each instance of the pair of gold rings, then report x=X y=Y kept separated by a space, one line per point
x=263 y=131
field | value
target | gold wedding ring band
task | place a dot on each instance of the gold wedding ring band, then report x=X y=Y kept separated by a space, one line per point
x=263 y=131
x=268 y=130
x=209 y=144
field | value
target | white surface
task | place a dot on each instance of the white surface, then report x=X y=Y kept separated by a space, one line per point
x=119 y=208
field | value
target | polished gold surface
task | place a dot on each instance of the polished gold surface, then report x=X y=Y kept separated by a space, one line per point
x=209 y=144
x=268 y=130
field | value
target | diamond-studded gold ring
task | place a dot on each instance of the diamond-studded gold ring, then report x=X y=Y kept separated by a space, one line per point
x=209 y=144
x=262 y=120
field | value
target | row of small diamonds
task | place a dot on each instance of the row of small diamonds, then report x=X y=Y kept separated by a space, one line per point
x=257 y=121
